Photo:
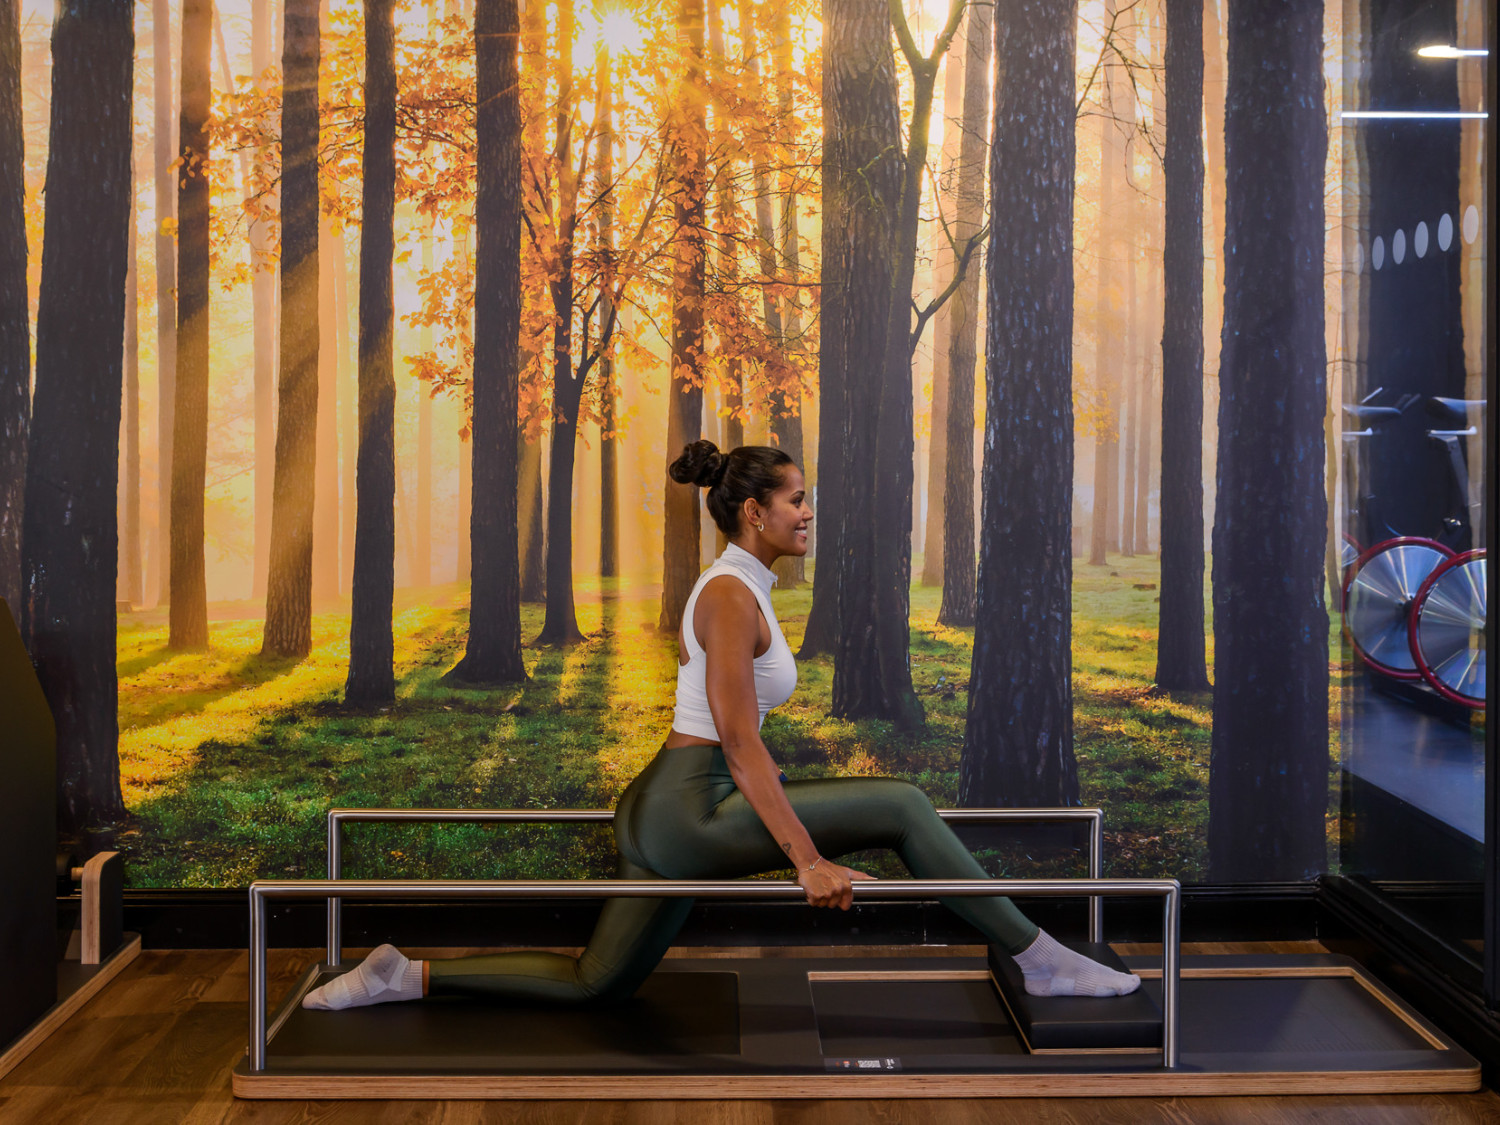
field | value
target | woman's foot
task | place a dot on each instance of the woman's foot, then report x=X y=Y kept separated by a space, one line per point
x=385 y=975
x=1052 y=969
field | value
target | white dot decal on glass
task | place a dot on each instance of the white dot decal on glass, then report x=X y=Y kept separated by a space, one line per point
x=1398 y=247
x=1471 y=224
x=1445 y=232
x=1377 y=252
x=1419 y=240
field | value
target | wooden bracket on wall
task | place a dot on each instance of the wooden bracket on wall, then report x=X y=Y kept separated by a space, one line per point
x=102 y=882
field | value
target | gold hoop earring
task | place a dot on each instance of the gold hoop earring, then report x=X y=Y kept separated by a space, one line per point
x=760 y=527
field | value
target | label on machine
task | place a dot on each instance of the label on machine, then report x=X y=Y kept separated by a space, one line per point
x=862 y=1065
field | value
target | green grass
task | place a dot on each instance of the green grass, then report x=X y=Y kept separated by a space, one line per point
x=230 y=762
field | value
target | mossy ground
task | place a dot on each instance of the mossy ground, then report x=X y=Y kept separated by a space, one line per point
x=229 y=762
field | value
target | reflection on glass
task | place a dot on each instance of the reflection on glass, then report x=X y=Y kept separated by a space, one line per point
x=1413 y=465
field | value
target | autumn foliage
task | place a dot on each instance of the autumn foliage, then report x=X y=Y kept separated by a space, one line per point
x=435 y=167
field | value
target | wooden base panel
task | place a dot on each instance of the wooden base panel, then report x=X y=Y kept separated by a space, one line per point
x=729 y=1029
x=55 y=1016
x=1154 y=1084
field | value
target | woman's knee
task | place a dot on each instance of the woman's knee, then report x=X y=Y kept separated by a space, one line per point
x=903 y=800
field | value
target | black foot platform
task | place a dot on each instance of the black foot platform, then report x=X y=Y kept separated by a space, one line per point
x=1076 y=1023
x=865 y=1027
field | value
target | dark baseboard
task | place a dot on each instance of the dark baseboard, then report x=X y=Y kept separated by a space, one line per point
x=219 y=919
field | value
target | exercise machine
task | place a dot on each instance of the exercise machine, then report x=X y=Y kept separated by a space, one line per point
x=956 y=1025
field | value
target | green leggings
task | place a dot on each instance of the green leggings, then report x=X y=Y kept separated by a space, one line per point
x=683 y=818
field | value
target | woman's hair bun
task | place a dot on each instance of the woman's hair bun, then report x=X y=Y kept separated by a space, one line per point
x=701 y=463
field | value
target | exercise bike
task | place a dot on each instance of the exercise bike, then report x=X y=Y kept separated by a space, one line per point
x=1414 y=607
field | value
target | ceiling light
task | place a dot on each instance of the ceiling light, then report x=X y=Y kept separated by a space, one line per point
x=1443 y=51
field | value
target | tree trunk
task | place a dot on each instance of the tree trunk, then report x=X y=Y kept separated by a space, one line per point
x=404 y=505
x=288 y=629
x=1213 y=173
x=421 y=563
x=69 y=538
x=1145 y=443
x=958 y=604
x=348 y=438
x=188 y=627
x=371 y=641
x=131 y=587
x=1213 y=244
x=685 y=399
x=1268 y=775
x=560 y=623
x=164 y=147
x=732 y=379
x=1018 y=743
x=1114 y=108
x=1181 y=651
x=263 y=320
x=765 y=224
x=1147 y=464
x=861 y=74
x=872 y=676
x=532 y=537
x=465 y=506
x=609 y=443
x=532 y=498
x=1150 y=334
x=786 y=409
x=955 y=129
x=1131 y=397
x=765 y=237
x=839 y=180
x=15 y=309
x=325 y=566
x=609 y=474
x=493 y=653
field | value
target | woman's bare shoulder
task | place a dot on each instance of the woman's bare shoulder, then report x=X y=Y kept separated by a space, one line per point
x=726 y=592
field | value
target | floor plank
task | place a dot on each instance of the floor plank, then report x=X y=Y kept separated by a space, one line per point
x=158 y=1044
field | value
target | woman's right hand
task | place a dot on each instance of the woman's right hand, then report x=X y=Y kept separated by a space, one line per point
x=830 y=884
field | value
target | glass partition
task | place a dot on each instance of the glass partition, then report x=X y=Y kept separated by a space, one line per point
x=1413 y=426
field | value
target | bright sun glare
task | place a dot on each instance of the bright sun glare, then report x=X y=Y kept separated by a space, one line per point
x=607 y=26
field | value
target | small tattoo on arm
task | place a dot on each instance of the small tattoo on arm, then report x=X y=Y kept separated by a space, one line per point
x=787 y=847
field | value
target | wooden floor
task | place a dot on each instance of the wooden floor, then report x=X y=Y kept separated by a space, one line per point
x=157 y=1047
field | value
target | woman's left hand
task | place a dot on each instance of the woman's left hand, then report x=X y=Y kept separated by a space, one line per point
x=830 y=884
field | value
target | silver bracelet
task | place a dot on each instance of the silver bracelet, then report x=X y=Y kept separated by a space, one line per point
x=813 y=864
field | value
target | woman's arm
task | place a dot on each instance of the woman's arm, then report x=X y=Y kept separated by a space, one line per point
x=727 y=623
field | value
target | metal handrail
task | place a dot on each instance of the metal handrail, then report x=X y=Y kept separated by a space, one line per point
x=398 y=890
x=337 y=818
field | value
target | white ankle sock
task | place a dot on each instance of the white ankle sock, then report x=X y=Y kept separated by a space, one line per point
x=383 y=976
x=1052 y=969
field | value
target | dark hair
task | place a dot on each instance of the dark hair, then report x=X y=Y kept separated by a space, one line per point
x=749 y=472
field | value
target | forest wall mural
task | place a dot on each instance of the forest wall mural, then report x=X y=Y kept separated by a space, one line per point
x=343 y=348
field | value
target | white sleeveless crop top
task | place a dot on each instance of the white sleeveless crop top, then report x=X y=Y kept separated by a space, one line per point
x=775 y=669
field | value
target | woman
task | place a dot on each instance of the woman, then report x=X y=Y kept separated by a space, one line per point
x=713 y=805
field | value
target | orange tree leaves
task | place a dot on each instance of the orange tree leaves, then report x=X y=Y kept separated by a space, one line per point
x=435 y=164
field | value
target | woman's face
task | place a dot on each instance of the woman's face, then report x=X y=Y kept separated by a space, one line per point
x=785 y=515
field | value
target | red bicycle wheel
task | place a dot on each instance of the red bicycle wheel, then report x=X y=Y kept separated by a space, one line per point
x=1446 y=629
x=1378 y=594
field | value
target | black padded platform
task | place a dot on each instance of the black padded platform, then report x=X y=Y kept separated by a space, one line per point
x=829 y=1027
x=1079 y=1023
x=675 y=1016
